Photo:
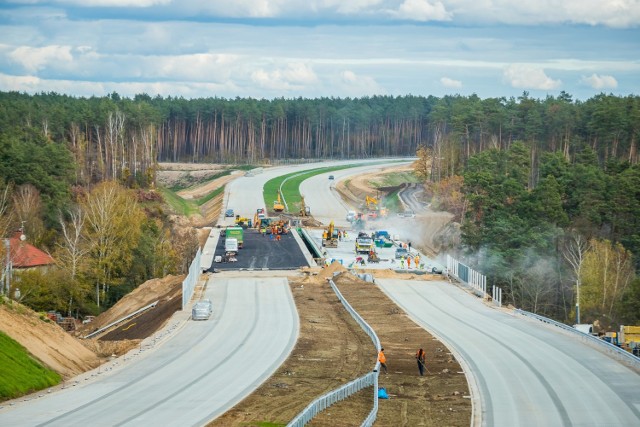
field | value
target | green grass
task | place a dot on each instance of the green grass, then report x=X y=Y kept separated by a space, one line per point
x=19 y=372
x=392 y=202
x=397 y=178
x=202 y=200
x=291 y=188
x=178 y=204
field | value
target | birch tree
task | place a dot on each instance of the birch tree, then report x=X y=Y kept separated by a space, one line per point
x=574 y=252
x=113 y=228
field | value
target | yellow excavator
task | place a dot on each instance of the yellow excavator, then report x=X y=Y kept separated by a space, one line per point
x=330 y=236
x=304 y=209
x=372 y=207
x=277 y=204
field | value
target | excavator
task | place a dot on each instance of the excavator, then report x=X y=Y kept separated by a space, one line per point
x=304 y=209
x=372 y=207
x=330 y=236
x=277 y=204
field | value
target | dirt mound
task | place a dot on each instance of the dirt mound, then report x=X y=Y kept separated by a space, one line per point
x=328 y=273
x=150 y=291
x=46 y=341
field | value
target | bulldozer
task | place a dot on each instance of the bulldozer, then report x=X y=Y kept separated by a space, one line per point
x=330 y=236
x=277 y=204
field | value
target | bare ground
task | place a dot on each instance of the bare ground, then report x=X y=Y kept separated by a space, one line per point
x=46 y=341
x=331 y=349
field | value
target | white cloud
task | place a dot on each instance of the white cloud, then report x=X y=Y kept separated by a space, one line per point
x=293 y=76
x=114 y=3
x=447 y=82
x=37 y=58
x=352 y=84
x=422 y=10
x=349 y=6
x=32 y=84
x=525 y=76
x=600 y=82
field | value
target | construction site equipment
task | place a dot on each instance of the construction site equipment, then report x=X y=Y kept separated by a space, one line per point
x=230 y=246
x=364 y=243
x=277 y=204
x=235 y=233
x=373 y=257
x=304 y=209
x=243 y=221
x=330 y=236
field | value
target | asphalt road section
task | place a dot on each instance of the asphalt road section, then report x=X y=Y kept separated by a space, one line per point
x=193 y=376
x=527 y=373
x=263 y=252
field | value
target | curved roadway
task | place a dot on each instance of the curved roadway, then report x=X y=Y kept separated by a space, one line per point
x=191 y=378
x=320 y=194
x=245 y=194
x=527 y=373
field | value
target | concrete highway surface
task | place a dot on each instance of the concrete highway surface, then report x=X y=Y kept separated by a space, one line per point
x=525 y=373
x=320 y=194
x=192 y=377
x=245 y=194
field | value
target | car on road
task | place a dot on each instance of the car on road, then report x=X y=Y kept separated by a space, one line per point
x=229 y=213
x=351 y=216
x=407 y=214
x=202 y=310
x=401 y=252
x=331 y=177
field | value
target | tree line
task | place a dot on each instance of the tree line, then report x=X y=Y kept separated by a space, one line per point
x=571 y=235
x=113 y=137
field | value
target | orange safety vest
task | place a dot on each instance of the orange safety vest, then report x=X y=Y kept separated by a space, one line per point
x=382 y=358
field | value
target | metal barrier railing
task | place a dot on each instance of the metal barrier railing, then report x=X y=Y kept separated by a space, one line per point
x=473 y=278
x=346 y=390
x=190 y=282
x=622 y=355
x=122 y=319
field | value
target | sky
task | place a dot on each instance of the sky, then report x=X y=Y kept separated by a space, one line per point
x=321 y=48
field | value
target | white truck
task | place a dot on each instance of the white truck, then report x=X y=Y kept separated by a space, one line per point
x=231 y=246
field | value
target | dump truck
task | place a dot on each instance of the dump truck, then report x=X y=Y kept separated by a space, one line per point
x=364 y=243
x=235 y=233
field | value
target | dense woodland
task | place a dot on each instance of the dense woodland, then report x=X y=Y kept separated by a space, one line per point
x=526 y=177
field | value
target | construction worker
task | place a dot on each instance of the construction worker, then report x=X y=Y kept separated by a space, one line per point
x=402 y=262
x=420 y=357
x=382 y=359
x=417 y=260
x=409 y=262
x=339 y=236
x=409 y=247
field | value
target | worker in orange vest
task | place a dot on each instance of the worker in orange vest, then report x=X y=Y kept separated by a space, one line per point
x=382 y=359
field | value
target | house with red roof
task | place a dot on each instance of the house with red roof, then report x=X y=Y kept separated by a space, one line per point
x=24 y=256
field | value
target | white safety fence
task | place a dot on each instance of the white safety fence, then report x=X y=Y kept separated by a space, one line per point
x=620 y=354
x=190 y=282
x=346 y=390
x=474 y=279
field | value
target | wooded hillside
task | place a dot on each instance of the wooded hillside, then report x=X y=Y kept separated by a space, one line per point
x=113 y=137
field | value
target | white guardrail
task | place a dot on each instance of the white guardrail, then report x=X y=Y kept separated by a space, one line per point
x=620 y=354
x=122 y=319
x=190 y=282
x=346 y=390
x=474 y=279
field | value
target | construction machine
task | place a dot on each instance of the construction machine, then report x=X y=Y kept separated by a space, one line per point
x=304 y=209
x=277 y=204
x=330 y=236
x=372 y=207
